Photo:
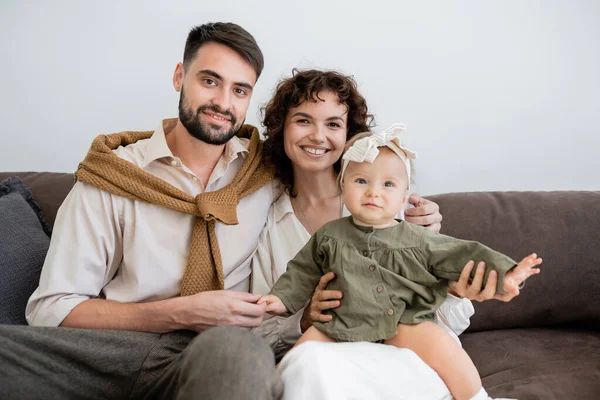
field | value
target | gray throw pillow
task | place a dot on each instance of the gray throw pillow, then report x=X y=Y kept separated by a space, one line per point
x=24 y=241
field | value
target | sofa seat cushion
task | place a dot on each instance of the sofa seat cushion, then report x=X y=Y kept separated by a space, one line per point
x=24 y=241
x=537 y=363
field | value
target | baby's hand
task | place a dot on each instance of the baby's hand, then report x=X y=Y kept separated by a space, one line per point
x=274 y=305
x=516 y=276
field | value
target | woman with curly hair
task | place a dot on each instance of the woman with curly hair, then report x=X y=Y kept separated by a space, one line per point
x=308 y=121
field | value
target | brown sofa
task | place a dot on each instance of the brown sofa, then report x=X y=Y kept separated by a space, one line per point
x=545 y=344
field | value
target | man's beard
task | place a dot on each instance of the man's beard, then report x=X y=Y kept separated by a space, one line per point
x=205 y=131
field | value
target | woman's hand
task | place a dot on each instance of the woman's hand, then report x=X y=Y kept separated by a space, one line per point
x=474 y=290
x=321 y=300
x=425 y=213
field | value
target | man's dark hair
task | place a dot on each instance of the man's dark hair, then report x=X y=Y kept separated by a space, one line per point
x=228 y=34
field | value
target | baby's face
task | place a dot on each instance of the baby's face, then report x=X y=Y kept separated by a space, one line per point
x=375 y=193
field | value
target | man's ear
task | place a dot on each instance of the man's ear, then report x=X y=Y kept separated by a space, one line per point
x=178 y=77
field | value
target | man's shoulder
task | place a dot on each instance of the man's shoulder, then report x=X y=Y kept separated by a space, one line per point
x=134 y=153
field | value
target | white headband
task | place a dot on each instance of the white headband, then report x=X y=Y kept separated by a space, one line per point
x=366 y=149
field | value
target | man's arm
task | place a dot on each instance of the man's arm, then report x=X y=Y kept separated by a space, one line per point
x=197 y=312
x=85 y=253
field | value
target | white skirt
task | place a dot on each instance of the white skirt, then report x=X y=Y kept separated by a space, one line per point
x=359 y=370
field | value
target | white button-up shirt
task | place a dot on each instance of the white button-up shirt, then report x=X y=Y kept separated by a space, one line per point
x=106 y=246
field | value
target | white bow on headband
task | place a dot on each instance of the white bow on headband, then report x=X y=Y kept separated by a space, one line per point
x=367 y=149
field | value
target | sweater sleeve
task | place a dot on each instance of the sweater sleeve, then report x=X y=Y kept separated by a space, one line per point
x=447 y=257
x=299 y=281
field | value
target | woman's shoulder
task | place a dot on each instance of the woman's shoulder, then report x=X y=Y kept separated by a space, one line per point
x=281 y=206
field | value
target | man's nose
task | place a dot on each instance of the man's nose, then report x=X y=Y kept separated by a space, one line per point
x=222 y=99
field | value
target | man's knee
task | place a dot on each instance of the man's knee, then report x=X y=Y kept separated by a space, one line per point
x=224 y=362
x=224 y=342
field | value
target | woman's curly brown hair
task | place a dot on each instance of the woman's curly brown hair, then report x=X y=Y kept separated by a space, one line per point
x=291 y=92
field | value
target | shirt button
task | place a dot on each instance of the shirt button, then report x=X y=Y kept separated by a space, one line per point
x=372 y=267
x=379 y=289
x=194 y=178
x=175 y=163
x=390 y=312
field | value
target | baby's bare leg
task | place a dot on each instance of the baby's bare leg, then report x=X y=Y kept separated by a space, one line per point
x=313 y=333
x=435 y=346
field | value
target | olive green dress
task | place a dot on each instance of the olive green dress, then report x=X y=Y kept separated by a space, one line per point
x=388 y=276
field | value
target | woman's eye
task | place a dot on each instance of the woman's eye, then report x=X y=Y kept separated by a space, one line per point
x=334 y=125
x=302 y=121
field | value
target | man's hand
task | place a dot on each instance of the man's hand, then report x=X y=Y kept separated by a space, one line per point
x=516 y=276
x=274 y=304
x=425 y=213
x=220 y=307
x=321 y=300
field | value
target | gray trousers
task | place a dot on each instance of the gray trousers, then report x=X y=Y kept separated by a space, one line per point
x=63 y=363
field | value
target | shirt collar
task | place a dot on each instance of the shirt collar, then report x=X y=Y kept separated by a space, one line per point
x=282 y=207
x=157 y=147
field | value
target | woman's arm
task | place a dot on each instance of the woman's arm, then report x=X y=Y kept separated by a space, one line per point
x=456 y=311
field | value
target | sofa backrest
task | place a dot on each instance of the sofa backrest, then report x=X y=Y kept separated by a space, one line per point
x=561 y=227
x=49 y=189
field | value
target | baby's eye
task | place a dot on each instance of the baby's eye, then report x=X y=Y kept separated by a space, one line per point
x=389 y=184
x=360 y=181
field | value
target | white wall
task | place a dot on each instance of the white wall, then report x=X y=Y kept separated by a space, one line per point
x=497 y=95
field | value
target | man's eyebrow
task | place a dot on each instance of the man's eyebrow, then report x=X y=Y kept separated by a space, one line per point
x=214 y=74
x=209 y=72
x=244 y=85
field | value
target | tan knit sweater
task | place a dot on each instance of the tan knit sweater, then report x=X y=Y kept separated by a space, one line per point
x=105 y=170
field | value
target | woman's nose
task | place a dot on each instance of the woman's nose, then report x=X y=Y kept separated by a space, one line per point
x=317 y=135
